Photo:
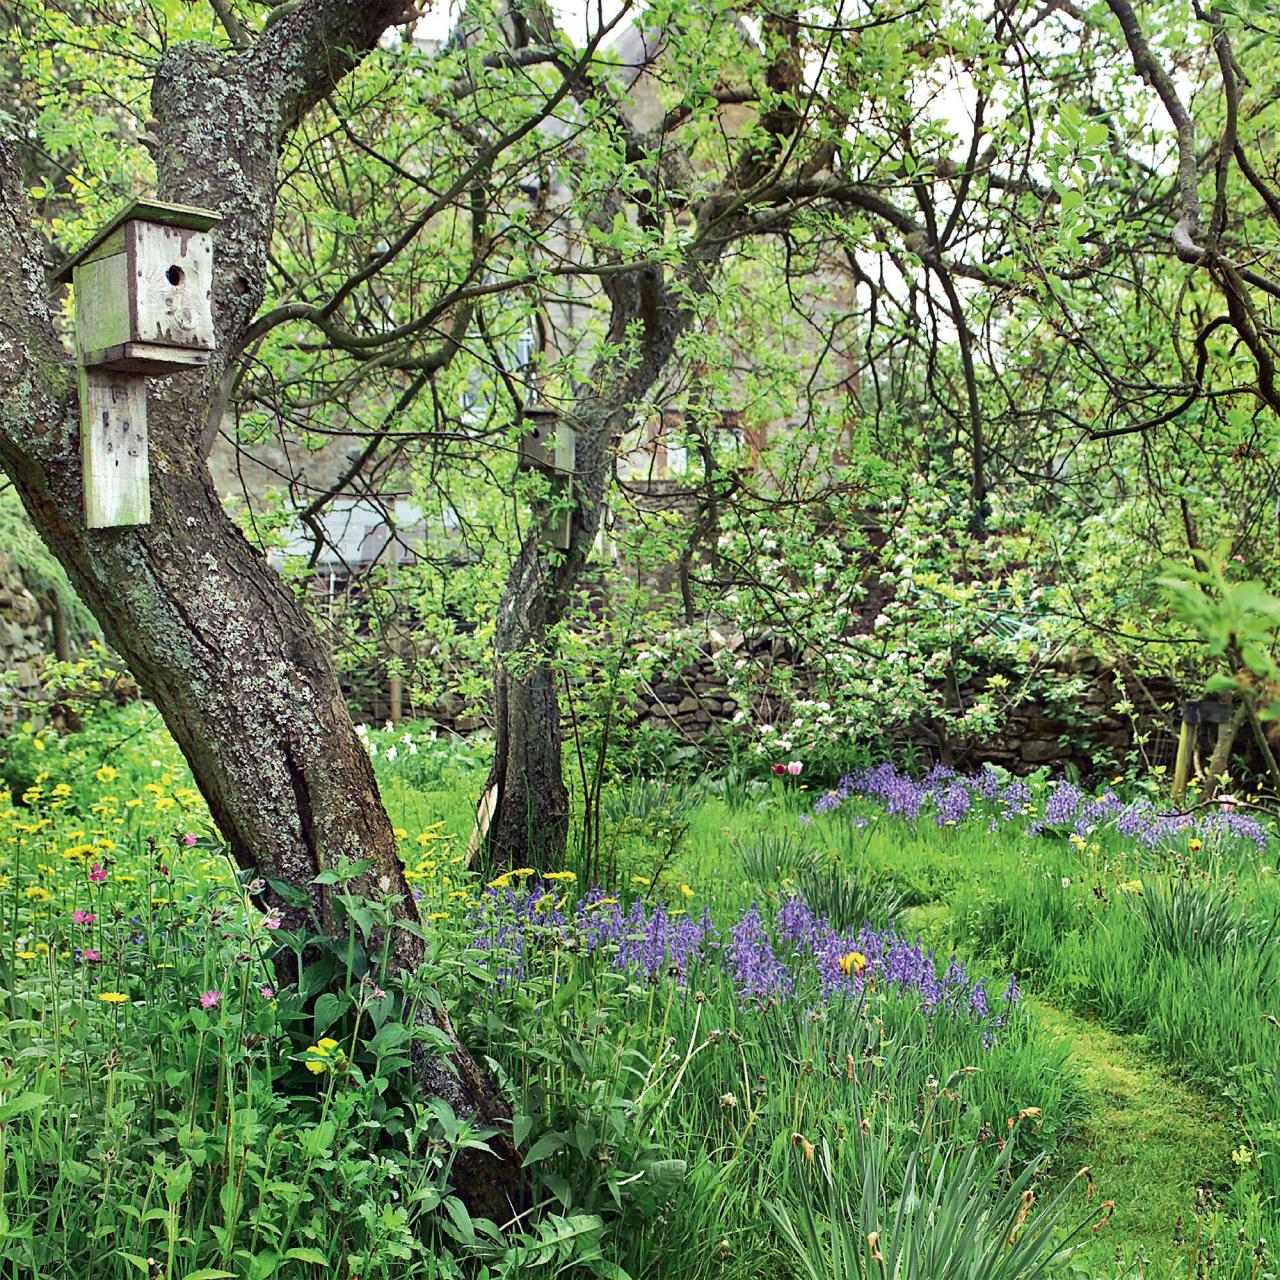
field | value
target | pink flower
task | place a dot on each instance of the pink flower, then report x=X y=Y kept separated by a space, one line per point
x=794 y=768
x=271 y=922
x=83 y=917
x=96 y=873
x=190 y=838
x=211 y=999
x=266 y=993
x=779 y=769
x=90 y=955
x=1226 y=803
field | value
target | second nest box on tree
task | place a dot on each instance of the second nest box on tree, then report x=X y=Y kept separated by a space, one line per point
x=549 y=445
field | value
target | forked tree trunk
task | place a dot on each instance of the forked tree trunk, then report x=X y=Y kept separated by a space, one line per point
x=529 y=803
x=210 y=632
x=650 y=307
x=527 y=797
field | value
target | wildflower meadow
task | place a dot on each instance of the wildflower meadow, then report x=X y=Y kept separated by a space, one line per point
x=783 y=1038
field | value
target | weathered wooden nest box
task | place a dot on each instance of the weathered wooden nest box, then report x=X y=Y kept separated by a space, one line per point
x=549 y=445
x=144 y=307
x=144 y=290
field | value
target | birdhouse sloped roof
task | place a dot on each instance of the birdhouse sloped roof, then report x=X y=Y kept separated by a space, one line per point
x=171 y=215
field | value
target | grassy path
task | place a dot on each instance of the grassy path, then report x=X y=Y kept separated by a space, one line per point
x=1151 y=1142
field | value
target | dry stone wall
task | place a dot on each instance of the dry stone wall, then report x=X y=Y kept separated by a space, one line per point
x=1083 y=730
x=24 y=637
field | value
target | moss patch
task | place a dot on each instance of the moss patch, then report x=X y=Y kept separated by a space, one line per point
x=1151 y=1141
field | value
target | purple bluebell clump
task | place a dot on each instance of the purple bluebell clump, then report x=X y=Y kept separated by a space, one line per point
x=951 y=803
x=799 y=956
x=757 y=971
x=950 y=798
x=1063 y=804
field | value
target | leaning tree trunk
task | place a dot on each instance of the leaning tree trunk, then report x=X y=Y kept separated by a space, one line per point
x=210 y=632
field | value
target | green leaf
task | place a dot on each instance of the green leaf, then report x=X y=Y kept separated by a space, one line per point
x=307 y=1255
x=545 y=1146
x=22 y=1103
x=330 y=1006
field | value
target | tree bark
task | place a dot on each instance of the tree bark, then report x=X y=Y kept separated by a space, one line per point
x=1220 y=760
x=530 y=814
x=210 y=632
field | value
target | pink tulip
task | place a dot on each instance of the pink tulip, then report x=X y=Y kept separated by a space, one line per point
x=794 y=768
x=779 y=769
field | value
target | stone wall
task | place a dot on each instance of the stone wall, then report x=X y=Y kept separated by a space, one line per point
x=1083 y=731
x=1089 y=735
x=24 y=637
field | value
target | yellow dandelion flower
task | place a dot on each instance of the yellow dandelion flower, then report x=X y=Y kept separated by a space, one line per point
x=112 y=997
x=37 y=893
x=323 y=1056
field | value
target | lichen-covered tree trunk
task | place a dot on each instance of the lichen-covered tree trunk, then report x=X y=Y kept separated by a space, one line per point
x=210 y=632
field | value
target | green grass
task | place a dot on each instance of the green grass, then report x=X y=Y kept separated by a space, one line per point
x=1150 y=1141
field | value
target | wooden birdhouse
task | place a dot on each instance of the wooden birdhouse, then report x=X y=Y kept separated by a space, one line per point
x=143 y=307
x=144 y=290
x=548 y=444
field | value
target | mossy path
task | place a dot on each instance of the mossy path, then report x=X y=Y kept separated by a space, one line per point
x=1150 y=1142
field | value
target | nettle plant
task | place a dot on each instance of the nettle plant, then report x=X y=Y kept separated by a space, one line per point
x=897 y=619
